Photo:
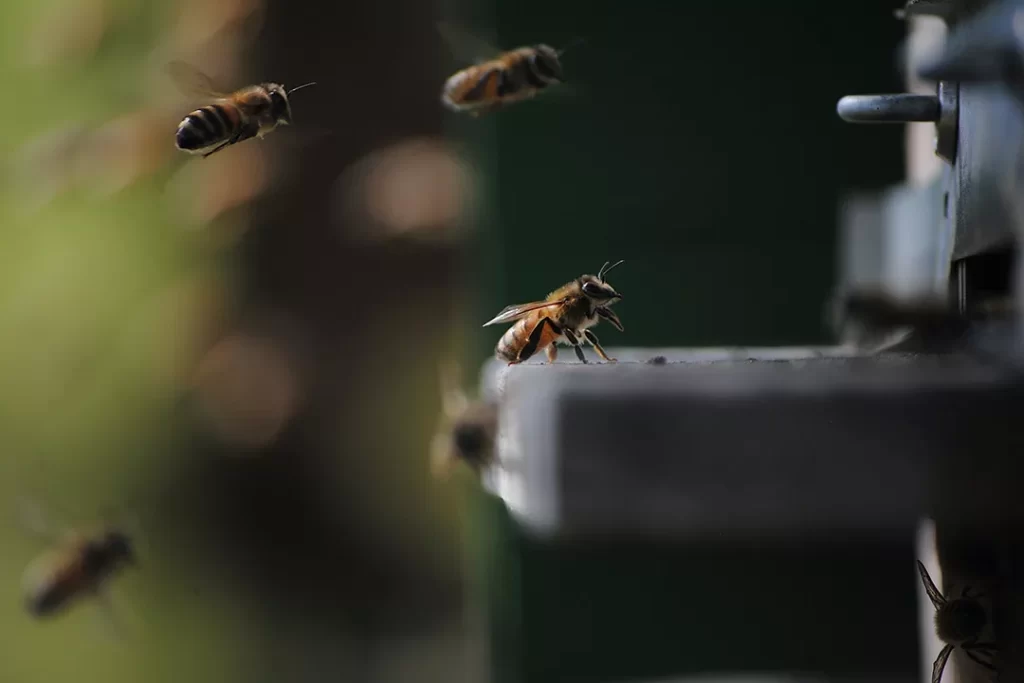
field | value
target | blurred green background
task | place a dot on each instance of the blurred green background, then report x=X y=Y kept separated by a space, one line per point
x=242 y=350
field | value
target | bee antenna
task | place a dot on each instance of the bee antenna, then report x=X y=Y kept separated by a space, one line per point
x=572 y=43
x=605 y=268
x=300 y=87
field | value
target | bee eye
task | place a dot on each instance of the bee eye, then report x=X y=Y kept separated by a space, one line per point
x=590 y=289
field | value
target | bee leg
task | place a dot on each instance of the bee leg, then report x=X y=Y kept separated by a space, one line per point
x=576 y=345
x=982 y=647
x=592 y=338
x=219 y=147
x=969 y=651
x=610 y=316
x=247 y=131
x=552 y=351
x=534 y=340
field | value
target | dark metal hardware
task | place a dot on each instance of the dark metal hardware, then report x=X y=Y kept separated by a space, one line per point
x=889 y=108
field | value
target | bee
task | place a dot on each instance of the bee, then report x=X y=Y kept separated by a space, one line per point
x=497 y=81
x=564 y=316
x=80 y=566
x=467 y=431
x=958 y=622
x=250 y=112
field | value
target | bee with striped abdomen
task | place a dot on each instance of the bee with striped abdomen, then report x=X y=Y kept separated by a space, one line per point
x=497 y=79
x=467 y=431
x=250 y=112
x=958 y=623
x=564 y=316
x=80 y=566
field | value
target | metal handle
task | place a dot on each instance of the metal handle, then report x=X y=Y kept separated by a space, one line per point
x=890 y=108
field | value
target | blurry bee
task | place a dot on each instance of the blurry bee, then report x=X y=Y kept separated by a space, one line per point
x=564 y=316
x=496 y=81
x=80 y=566
x=958 y=622
x=250 y=112
x=467 y=431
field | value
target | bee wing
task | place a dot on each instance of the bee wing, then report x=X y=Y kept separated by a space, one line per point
x=193 y=82
x=940 y=663
x=933 y=593
x=453 y=399
x=517 y=311
x=442 y=461
x=465 y=46
x=113 y=619
x=35 y=520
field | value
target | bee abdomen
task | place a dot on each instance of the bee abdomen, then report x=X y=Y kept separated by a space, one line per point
x=203 y=127
x=51 y=596
x=45 y=603
x=509 y=345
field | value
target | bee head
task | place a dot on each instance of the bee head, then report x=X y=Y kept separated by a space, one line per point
x=471 y=439
x=280 y=108
x=601 y=292
x=120 y=546
x=547 y=64
x=597 y=288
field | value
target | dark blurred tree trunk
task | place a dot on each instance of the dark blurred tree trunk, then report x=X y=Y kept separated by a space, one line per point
x=337 y=520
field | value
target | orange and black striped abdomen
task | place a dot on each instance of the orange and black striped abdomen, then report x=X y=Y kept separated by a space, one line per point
x=515 y=75
x=517 y=337
x=208 y=126
x=475 y=86
x=514 y=339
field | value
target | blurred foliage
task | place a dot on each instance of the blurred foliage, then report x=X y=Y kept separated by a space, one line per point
x=106 y=300
x=137 y=349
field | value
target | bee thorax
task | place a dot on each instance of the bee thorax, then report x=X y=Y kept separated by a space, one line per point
x=960 y=621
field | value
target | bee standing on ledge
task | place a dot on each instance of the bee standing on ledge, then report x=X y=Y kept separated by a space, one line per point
x=496 y=81
x=250 y=112
x=467 y=431
x=80 y=566
x=564 y=316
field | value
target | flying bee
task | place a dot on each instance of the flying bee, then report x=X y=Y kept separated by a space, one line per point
x=250 y=112
x=500 y=78
x=467 y=431
x=564 y=316
x=958 y=622
x=80 y=566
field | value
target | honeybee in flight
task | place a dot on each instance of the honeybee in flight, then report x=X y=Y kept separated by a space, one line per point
x=250 y=112
x=497 y=79
x=467 y=431
x=79 y=565
x=958 y=622
x=564 y=316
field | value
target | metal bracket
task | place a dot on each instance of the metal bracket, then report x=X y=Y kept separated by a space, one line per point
x=942 y=109
x=889 y=108
x=949 y=116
